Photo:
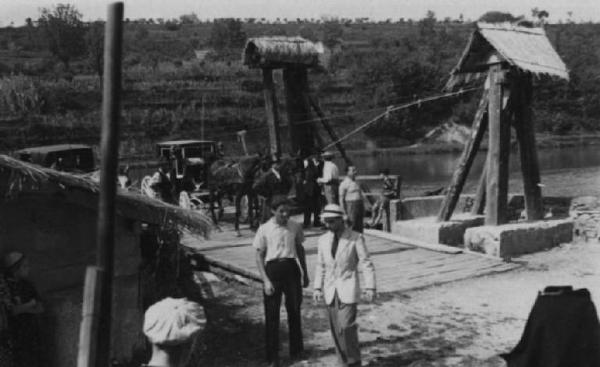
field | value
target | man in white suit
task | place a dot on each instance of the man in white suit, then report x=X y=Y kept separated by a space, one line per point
x=340 y=251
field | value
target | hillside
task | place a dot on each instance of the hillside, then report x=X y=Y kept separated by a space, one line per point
x=169 y=93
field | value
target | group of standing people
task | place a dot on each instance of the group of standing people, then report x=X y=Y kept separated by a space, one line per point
x=281 y=261
x=321 y=179
x=20 y=307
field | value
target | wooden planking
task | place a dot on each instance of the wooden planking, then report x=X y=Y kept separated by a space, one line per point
x=398 y=266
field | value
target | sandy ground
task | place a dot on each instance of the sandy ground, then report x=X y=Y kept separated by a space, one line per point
x=464 y=323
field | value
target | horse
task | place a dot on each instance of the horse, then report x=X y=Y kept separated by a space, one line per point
x=234 y=179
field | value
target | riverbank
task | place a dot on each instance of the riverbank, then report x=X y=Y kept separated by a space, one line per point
x=544 y=141
x=465 y=323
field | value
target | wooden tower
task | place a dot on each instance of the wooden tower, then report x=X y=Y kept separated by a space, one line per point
x=510 y=56
x=295 y=55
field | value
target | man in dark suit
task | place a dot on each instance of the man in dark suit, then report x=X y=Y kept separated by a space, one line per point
x=274 y=184
x=313 y=169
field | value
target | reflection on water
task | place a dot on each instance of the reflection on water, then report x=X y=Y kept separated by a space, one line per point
x=440 y=167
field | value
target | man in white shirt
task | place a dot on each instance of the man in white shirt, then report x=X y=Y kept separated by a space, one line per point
x=281 y=262
x=340 y=251
x=330 y=179
x=351 y=200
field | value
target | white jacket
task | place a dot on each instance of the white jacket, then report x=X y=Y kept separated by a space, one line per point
x=341 y=274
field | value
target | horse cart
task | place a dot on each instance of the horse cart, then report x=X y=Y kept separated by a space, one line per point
x=187 y=163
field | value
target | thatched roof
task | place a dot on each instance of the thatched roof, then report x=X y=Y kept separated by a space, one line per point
x=276 y=52
x=527 y=49
x=18 y=176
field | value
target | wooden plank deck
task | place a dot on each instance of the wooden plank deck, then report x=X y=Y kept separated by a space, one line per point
x=399 y=266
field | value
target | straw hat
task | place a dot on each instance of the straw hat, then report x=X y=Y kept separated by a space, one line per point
x=332 y=211
x=173 y=321
x=12 y=259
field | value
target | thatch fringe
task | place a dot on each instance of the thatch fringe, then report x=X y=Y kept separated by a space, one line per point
x=23 y=176
x=278 y=51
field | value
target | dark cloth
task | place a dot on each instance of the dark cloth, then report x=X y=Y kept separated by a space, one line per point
x=312 y=193
x=356 y=214
x=342 y=321
x=25 y=328
x=562 y=331
x=7 y=358
x=285 y=276
x=269 y=185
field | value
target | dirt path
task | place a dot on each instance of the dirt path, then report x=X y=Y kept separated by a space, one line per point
x=465 y=323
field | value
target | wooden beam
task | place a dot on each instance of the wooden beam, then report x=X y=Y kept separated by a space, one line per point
x=479 y=200
x=498 y=152
x=329 y=130
x=522 y=87
x=465 y=161
x=295 y=81
x=102 y=277
x=272 y=113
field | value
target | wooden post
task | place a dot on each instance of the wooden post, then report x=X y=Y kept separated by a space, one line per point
x=522 y=87
x=90 y=316
x=466 y=160
x=105 y=232
x=329 y=130
x=479 y=201
x=498 y=152
x=272 y=113
x=295 y=81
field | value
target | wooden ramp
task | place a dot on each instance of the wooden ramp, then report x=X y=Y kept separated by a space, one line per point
x=399 y=266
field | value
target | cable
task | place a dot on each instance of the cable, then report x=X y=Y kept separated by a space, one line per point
x=397 y=108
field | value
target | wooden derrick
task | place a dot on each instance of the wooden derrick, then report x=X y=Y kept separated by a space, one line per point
x=522 y=87
x=498 y=152
x=295 y=81
x=272 y=113
x=466 y=160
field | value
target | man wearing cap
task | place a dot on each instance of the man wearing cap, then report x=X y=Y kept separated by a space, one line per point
x=330 y=179
x=281 y=262
x=171 y=326
x=340 y=251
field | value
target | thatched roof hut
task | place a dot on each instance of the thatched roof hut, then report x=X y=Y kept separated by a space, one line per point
x=527 y=49
x=277 y=52
x=18 y=176
x=51 y=216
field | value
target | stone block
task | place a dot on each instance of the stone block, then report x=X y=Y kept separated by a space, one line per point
x=514 y=239
x=428 y=229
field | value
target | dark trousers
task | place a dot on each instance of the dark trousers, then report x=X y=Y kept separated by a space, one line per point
x=356 y=214
x=312 y=207
x=285 y=276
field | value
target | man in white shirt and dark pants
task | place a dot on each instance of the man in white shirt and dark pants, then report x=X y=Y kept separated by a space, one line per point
x=330 y=179
x=340 y=251
x=281 y=263
x=351 y=200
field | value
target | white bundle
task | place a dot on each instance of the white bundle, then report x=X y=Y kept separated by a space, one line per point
x=173 y=321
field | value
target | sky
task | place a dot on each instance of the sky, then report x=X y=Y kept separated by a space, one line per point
x=17 y=11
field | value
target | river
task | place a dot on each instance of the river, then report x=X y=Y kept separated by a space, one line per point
x=565 y=171
x=429 y=171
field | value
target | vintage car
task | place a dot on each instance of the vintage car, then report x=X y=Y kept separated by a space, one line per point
x=77 y=158
x=188 y=161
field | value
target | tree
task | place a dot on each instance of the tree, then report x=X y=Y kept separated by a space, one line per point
x=191 y=18
x=64 y=32
x=227 y=34
x=332 y=32
x=94 y=42
x=497 y=17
